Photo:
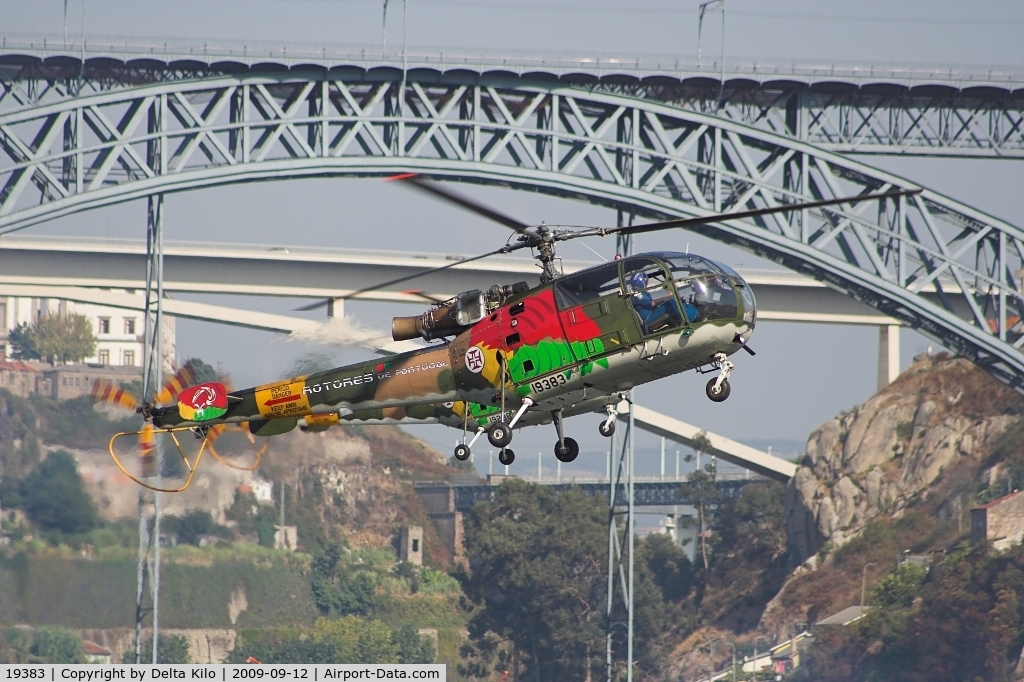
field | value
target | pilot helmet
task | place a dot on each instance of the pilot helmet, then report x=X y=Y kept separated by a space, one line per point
x=637 y=281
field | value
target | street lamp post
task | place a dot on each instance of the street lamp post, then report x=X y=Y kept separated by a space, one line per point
x=733 y=645
x=864 y=581
x=755 y=653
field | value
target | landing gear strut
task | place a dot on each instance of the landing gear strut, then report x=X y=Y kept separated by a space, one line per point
x=607 y=427
x=718 y=389
x=463 y=450
x=566 y=449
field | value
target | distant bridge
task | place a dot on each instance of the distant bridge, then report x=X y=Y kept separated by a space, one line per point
x=442 y=496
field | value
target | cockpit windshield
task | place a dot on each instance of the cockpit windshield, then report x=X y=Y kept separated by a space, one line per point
x=703 y=286
x=707 y=297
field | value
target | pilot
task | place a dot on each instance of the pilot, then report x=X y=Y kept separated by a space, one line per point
x=653 y=315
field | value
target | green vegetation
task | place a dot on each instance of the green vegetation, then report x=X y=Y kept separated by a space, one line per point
x=56 y=645
x=539 y=563
x=349 y=639
x=251 y=517
x=192 y=526
x=54 y=496
x=54 y=338
x=339 y=588
x=898 y=589
x=964 y=624
x=43 y=645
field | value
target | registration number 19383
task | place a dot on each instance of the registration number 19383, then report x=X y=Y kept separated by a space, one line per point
x=548 y=383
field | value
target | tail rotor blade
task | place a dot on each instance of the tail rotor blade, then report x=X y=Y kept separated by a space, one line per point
x=147 y=451
x=182 y=379
x=106 y=392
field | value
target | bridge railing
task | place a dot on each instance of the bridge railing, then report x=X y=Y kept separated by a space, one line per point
x=210 y=51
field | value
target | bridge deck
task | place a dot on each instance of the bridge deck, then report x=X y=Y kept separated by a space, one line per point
x=461 y=498
x=28 y=266
x=224 y=54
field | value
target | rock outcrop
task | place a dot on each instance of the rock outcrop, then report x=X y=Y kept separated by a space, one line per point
x=875 y=458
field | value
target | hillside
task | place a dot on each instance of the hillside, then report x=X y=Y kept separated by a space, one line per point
x=897 y=477
x=890 y=479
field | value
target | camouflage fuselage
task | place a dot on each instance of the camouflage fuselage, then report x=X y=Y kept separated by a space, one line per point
x=573 y=344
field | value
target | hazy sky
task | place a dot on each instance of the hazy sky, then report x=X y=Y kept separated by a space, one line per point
x=802 y=375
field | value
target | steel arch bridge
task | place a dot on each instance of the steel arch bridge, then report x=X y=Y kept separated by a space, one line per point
x=938 y=266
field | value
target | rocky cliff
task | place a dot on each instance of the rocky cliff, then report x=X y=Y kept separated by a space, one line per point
x=939 y=415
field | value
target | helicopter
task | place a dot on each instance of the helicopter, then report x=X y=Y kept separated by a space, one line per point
x=515 y=355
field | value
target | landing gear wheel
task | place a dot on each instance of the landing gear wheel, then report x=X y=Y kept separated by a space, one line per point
x=499 y=435
x=606 y=429
x=462 y=452
x=567 y=452
x=721 y=393
x=506 y=456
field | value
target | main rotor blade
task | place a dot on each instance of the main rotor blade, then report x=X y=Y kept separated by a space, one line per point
x=463 y=201
x=683 y=222
x=313 y=306
x=327 y=301
x=505 y=249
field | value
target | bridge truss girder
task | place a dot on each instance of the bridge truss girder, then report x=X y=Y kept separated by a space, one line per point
x=886 y=119
x=921 y=110
x=936 y=265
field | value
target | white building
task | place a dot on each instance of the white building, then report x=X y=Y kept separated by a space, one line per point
x=120 y=333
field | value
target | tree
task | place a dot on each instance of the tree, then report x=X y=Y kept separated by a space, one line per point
x=56 y=338
x=253 y=517
x=54 y=496
x=538 y=564
x=412 y=648
x=57 y=645
x=18 y=646
x=204 y=372
x=340 y=635
x=337 y=588
x=671 y=570
x=376 y=644
x=700 y=488
x=193 y=525
x=22 y=342
x=899 y=587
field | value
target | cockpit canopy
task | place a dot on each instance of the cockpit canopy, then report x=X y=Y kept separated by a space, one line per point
x=667 y=289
